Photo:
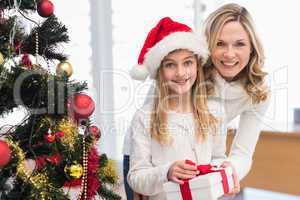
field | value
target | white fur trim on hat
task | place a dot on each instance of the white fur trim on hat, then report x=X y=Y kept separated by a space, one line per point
x=139 y=72
x=173 y=41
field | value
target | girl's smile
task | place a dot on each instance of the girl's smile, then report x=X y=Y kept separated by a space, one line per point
x=179 y=71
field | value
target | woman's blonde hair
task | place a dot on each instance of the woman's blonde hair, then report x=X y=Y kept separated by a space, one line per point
x=205 y=122
x=252 y=75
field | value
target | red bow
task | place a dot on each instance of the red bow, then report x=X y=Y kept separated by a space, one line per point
x=203 y=169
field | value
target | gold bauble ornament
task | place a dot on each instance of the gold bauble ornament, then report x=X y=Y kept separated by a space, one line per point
x=1 y=58
x=74 y=171
x=64 y=68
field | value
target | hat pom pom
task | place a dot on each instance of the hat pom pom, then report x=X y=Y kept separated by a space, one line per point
x=139 y=72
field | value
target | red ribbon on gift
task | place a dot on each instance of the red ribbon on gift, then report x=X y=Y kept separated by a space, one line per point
x=203 y=169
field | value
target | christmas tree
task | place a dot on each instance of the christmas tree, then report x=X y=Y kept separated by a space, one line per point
x=51 y=154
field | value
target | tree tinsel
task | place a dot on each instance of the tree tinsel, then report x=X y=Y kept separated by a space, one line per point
x=34 y=186
x=107 y=173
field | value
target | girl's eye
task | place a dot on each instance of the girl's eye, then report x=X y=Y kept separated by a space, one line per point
x=169 y=65
x=188 y=62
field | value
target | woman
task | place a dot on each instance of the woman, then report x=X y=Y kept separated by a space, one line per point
x=235 y=78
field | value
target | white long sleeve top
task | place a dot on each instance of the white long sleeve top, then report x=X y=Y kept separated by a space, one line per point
x=150 y=161
x=236 y=102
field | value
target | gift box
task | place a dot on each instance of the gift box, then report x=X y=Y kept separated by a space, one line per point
x=208 y=186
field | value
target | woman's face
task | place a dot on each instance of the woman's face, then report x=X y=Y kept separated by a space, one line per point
x=232 y=51
x=179 y=71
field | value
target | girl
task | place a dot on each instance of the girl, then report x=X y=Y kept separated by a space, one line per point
x=178 y=123
x=234 y=71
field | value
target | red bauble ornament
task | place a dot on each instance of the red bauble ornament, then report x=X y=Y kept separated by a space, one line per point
x=5 y=154
x=59 y=134
x=50 y=137
x=82 y=106
x=26 y=61
x=55 y=159
x=94 y=130
x=45 y=8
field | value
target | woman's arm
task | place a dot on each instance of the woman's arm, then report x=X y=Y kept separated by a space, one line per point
x=246 y=137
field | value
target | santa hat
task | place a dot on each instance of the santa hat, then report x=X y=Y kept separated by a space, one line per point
x=164 y=38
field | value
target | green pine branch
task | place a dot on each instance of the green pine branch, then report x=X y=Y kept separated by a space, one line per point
x=5 y=32
x=108 y=194
x=23 y=5
x=51 y=33
x=37 y=90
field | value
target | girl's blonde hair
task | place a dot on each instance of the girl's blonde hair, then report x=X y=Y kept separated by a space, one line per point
x=252 y=75
x=205 y=122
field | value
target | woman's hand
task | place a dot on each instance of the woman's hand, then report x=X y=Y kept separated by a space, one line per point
x=236 y=184
x=180 y=170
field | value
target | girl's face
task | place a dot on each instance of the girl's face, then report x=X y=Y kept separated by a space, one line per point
x=232 y=51
x=179 y=71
